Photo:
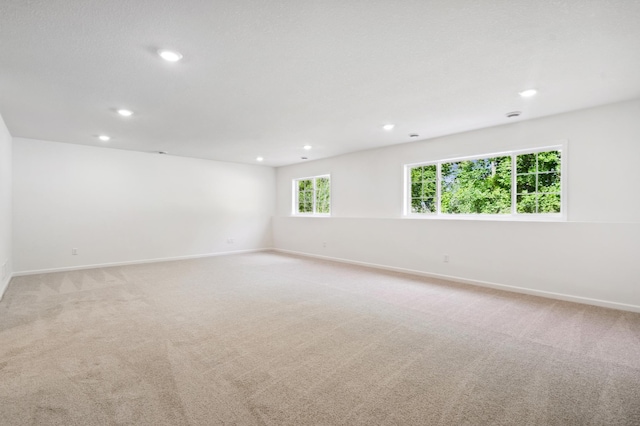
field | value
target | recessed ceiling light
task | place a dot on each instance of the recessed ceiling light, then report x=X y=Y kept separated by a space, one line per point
x=169 y=55
x=528 y=93
x=388 y=127
x=104 y=138
x=259 y=159
x=125 y=112
x=307 y=147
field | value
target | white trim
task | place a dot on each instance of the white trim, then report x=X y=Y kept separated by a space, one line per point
x=134 y=262
x=505 y=287
x=5 y=285
x=561 y=143
x=520 y=217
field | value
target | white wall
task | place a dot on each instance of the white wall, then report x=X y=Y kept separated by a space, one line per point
x=593 y=255
x=5 y=207
x=119 y=206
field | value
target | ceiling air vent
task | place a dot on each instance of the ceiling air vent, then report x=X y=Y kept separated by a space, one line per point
x=513 y=114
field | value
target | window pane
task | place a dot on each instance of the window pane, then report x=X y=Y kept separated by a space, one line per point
x=416 y=205
x=526 y=203
x=323 y=206
x=549 y=182
x=526 y=163
x=323 y=188
x=549 y=161
x=421 y=205
x=416 y=174
x=526 y=183
x=428 y=189
x=429 y=205
x=304 y=207
x=304 y=185
x=322 y=184
x=416 y=189
x=549 y=203
x=477 y=186
x=429 y=173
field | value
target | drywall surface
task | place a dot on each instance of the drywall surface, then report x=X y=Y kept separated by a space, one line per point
x=5 y=207
x=117 y=206
x=592 y=255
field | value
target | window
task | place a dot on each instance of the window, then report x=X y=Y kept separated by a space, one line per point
x=538 y=182
x=508 y=184
x=312 y=195
x=423 y=189
x=476 y=186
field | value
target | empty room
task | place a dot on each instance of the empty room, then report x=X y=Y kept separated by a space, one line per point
x=319 y=212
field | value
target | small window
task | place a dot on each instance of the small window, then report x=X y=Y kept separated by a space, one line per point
x=538 y=182
x=509 y=184
x=423 y=189
x=312 y=195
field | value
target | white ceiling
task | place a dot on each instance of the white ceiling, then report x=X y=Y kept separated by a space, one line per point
x=264 y=78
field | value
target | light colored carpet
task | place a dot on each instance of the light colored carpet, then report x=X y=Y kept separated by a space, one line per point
x=271 y=339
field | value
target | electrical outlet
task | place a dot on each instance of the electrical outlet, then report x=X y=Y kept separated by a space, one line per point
x=230 y=241
x=324 y=244
x=74 y=251
x=446 y=258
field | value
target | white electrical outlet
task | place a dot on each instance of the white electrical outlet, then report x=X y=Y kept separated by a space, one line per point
x=446 y=258
x=324 y=244
x=230 y=241
x=74 y=251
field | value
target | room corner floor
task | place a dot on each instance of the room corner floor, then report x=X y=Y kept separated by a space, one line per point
x=273 y=339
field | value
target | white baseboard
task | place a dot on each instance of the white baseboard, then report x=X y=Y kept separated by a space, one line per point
x=4 y=285
x=134 y=262
x=523 y=290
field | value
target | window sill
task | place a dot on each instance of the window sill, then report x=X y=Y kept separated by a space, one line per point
x=496 y=218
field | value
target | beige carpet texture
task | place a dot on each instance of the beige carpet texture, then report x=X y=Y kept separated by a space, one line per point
x=271 y=339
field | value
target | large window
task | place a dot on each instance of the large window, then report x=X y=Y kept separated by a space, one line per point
x=312 y=195
x=516 y=183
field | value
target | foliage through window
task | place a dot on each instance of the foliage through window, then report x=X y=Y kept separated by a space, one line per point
x=511 y=183
x=423 y=189
x=312 y=195
x=538 y=182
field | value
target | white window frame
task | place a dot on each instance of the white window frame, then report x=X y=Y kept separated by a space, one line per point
x=514 y=215
x=295 y=199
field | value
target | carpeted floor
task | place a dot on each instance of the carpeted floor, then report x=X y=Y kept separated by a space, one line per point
x=271 y=339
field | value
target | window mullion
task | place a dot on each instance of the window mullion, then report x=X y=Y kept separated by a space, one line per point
x=514 y=184
x=314 y=196
x=438 y=194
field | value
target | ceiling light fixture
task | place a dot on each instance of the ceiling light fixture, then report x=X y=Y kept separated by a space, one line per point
x=307 y=147
x=125 y=112
x=388 y=127
x=169 y=55
x=104 y=138
x=528 y=93
x=259 y=159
